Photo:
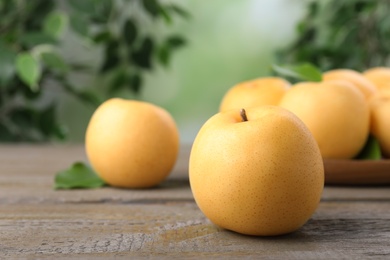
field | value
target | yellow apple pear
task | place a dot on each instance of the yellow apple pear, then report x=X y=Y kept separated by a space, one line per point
x=257 y=92
x=257 y=171
x=380 y=120
x=336 y=113
x=354 y=77
x=131 y=144
x=379 y=76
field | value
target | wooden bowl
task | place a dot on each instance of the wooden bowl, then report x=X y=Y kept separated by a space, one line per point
x=357 y=172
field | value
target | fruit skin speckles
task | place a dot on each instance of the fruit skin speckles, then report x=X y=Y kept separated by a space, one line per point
x=252 y=179
x=132 y=144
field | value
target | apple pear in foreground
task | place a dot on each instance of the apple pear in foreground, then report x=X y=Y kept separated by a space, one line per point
x=132 y=144
x=256 y=172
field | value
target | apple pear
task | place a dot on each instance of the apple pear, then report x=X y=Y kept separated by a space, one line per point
x=257 y=171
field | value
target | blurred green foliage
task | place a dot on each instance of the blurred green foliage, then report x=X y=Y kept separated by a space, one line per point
x=351 y=34
x=31 y=34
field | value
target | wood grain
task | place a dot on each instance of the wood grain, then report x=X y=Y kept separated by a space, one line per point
x=39 y=222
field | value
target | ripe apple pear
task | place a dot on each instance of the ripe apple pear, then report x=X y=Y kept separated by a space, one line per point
x=132 y=144
x=256 y=92
x=257 y=171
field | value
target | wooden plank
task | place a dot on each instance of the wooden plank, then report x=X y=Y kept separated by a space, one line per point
x=180 y=229
x=39 y=222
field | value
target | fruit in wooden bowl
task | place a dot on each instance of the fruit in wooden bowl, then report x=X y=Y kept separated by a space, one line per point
x=132 y=144
x=256 y=172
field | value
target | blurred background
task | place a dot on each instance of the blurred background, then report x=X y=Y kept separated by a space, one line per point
x=60 y=59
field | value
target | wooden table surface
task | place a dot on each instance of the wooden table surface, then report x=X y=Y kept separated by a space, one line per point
x=39 y=222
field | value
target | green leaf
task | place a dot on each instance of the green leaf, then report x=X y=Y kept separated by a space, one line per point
x=28 y=70
x=129 y=32
x=90 y=98
x=135 y=83
x=143 y=56
x=79 y=176
x=371 y=150
x=111 y=59
x=175 y=41
x=103 y=36
x=79 y=24
x=152 y=7
x=55 y=24
x=180 y=11
x=7 y=69
x=165 y=14
x=119 y=80
x=164 y=54
x=305 y=71
x=103 y=10
x=84 y=6
x=54 y=61
x=31 y=39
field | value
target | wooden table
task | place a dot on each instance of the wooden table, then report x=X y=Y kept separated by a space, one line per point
x=39 y=222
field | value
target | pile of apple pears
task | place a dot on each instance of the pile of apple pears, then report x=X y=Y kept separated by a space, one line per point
x=256 y=167
x=262 y=173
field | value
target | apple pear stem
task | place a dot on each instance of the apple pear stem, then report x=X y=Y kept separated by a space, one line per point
x=243 y=115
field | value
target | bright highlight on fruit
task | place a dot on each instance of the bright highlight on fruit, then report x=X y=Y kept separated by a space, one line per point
x=256 y=171
x=132 y=144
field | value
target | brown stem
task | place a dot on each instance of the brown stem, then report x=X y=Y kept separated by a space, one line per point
x=243 y=115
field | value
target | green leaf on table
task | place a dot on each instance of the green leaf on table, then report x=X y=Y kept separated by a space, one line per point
x=80 y=176
x=28 y=70
x=371 y=150
x=55 y=24
x=304 y=71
